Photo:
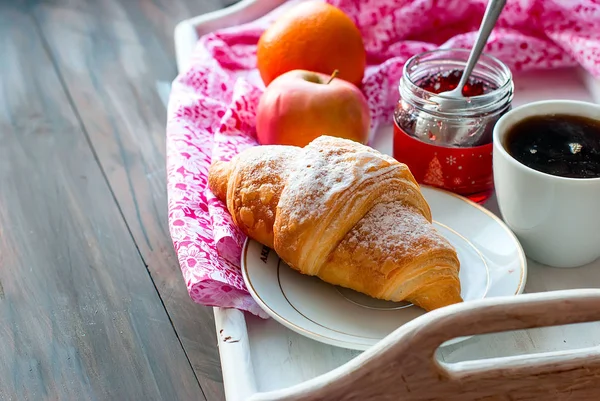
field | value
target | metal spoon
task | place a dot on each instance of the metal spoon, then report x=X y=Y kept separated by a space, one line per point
x=449 y=100
x=492 y=12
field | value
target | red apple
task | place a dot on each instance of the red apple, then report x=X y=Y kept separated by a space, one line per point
x=300 y=105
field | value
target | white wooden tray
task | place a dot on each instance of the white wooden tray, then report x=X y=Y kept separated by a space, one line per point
x=261 y=355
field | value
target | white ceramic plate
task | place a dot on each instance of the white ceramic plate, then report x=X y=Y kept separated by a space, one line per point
x=492 y=264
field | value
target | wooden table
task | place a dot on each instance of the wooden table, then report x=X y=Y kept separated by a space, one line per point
x=92 y=302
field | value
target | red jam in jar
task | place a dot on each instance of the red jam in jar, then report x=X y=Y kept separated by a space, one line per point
x=450 y=149
x=448 y=80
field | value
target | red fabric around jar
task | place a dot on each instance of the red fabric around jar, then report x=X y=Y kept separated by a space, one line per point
x=466 y=171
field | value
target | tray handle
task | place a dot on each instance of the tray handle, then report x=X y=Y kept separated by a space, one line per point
x=403 y=365
x=493 y=315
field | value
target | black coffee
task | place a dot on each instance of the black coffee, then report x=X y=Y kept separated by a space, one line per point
x=562 y=145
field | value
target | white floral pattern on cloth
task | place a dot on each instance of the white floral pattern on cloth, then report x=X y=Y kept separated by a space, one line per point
x=212 y=105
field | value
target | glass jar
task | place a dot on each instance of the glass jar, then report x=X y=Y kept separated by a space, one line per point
x=451 y=147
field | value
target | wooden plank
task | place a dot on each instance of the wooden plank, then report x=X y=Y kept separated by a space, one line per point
x=111 y=54
x=79 y=315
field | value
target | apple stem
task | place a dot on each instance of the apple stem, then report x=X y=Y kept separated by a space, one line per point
x=335 y=74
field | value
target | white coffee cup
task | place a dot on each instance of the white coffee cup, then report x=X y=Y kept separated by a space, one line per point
x=556 y=219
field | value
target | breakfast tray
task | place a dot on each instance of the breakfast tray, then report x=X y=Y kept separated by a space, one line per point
x=259 y=355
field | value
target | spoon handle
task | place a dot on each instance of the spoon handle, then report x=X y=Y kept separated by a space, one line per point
x=492 y=12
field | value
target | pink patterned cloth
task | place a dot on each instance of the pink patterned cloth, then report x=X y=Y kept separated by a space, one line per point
x=212 y=106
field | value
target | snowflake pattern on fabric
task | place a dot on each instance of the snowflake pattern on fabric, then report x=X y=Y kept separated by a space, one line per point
x=213 y=104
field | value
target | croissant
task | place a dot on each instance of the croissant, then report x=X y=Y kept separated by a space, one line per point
x=343 y=212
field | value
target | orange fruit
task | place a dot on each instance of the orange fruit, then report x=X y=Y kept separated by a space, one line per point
x=312 y=36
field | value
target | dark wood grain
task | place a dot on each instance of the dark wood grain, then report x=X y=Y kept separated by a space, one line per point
x=111 y=55
x=79 y=315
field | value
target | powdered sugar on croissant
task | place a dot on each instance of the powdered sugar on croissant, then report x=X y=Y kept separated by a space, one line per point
x=345 y=213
